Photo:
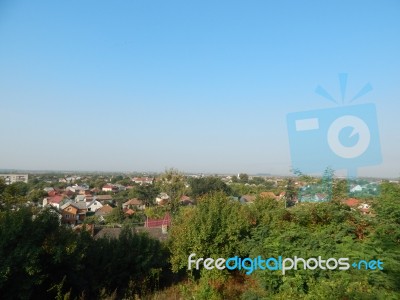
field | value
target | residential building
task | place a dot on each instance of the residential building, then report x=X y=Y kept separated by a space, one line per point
x=134 y=204
x=103 y=199
x=186 y=201
x=54 y=201
x=142 y=180
x=109 y=188
x=77 y=189
x=94 y=205
x=162 y=199
x=104 y=211
x=73 y=213
x=12 y=178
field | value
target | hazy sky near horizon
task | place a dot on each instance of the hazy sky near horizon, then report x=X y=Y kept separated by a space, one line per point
x=202 y=86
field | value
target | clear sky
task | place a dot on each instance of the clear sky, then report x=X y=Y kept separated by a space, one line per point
x=202 y=86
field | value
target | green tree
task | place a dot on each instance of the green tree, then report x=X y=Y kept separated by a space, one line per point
x=244 y=178
x=340 y=190
x=147 y=193
x=290 y=193
x=216 y=227
x=117 y=178
x=116 y=216
x=172 y=182
x=205 y=185
x=36 y=195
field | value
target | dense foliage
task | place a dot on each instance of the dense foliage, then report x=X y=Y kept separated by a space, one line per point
x=41 y=259
x=218 y=227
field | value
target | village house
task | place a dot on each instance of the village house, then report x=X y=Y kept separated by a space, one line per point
x=129 y=212
x=54 y=201
x=162 y=199
x=142 y=180
x=186 y=201
x=354 y=204
x=80 y=198
x=103 y=211
x=356 y=188
x=73 y=213
x=77 y=189
x=103 y=199
x=109 y=188
x=93 y=205
x=134 y=204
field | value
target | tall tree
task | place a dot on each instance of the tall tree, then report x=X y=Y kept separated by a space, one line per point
x=172 y=182
x=290 y=193
x=205 y=185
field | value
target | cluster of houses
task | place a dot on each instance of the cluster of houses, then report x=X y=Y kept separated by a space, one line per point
x=353 y=203
x=75 y=202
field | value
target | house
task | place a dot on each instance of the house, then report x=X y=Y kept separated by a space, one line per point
x=134 y=203
x=53 y=201
x=247 y=199
x=364 y=208
x=68 y=193
x=80 y=198
x=356 y=188
x=142 y=180
x=12 y=178
x=48 y=189
x=129 y=212
x=73 y=213
x=186 y=201
x=109 y=188
x=77 y=189
x=93 y=205
x=162 y=199
x=352 y=202
x=95 y=190
x=104 y=211
x=103 y=199
x=120 y=187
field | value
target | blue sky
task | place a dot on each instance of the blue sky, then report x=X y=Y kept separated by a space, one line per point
x=196 y=85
